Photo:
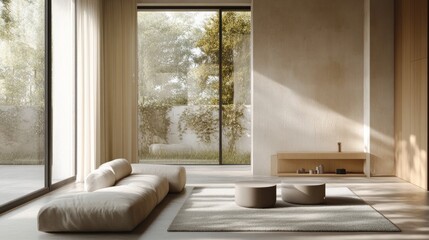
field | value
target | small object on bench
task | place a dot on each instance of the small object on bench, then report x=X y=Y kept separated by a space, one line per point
x=303 y=193
x=340 y=171
x=255 y=194
x=319 y=169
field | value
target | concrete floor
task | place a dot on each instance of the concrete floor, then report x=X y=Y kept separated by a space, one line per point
x=404 y=204
x=19 y=180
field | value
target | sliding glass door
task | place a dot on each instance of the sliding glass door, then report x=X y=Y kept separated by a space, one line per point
x=194 y=100
x=236 y=108
x=37 y=98
x=178 y=88
x=22 y=98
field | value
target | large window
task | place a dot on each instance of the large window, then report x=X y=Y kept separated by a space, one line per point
x=37 y=77
x=22 y=98
x=63 y=90
x=194 y=86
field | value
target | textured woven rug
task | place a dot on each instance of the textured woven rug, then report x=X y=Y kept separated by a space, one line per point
x=214 y=210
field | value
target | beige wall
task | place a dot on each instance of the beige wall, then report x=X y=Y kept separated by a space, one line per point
x=411 y=91
x=382 y=87
x=308 y=79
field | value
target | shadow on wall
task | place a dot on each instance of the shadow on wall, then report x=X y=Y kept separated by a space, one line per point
x=308 y=87
x=304 y=123
x=417 y=166
x=385 y=147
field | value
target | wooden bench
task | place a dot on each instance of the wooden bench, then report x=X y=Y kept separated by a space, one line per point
x=287 y=163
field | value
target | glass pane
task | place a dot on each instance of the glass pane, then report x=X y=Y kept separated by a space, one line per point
x=63 y=89
x=22 y=80
x=236 y=109
x=178 y=86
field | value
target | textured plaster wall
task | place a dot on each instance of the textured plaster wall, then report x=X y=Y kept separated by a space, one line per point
x=382 y=87
x=308 y=89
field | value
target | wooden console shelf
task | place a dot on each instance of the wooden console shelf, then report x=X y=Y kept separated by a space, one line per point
x=285 y=164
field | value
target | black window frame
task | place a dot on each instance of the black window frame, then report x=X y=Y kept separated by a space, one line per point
x=48 y=118
x=220 y=10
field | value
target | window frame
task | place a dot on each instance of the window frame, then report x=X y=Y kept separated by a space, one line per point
x=220 y=10
x=48 y=186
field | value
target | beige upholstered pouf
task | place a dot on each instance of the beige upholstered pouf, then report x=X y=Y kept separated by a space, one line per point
x=255 y=194
x=303 y=193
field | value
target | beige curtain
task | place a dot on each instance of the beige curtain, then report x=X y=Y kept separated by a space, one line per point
x=89 y=46
x=120 y=85
x=106 y=83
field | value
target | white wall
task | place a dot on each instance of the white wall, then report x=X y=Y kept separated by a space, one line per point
x=308 y=77
x=190 y=138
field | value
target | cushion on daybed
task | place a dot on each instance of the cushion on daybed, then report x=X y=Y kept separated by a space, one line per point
x=118 y=208
x=100 y=178
x=176 y=175
x=158 y=184
x=120 y=167
x=116 y=199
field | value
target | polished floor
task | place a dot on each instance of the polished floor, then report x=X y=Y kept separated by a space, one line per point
x=19 y=180
x=404 y=204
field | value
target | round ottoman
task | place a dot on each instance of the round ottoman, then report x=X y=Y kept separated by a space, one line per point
x=255 y=194
x=303 y=193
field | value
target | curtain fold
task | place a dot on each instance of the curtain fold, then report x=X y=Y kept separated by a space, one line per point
x=106 y=83
x=89 y=63
x=120 y=84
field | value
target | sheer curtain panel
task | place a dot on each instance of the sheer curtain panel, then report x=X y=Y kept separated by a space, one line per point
x=89 y=86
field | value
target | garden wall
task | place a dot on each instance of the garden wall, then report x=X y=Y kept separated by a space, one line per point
x=21 y=135
x=190 y=138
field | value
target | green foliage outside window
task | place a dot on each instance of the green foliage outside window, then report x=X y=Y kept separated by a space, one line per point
x=185 y=73
x=202 y=120
x=235 y=25
x=22 y=77
x=154 y=123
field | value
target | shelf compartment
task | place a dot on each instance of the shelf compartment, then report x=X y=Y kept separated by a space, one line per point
x=286 y=163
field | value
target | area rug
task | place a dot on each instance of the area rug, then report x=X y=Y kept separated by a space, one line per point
x=214 y=210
